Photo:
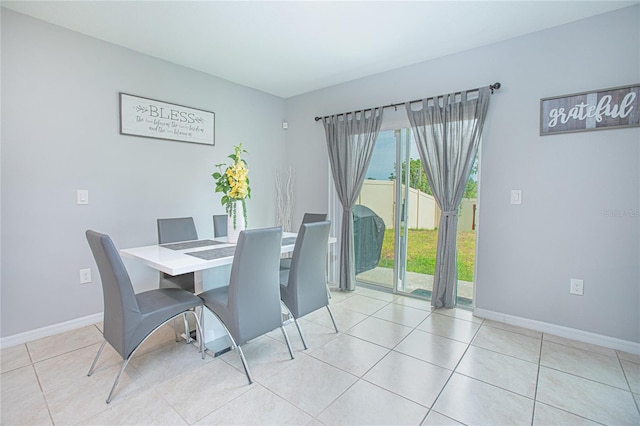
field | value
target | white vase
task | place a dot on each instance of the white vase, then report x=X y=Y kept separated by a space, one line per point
x=234 y=233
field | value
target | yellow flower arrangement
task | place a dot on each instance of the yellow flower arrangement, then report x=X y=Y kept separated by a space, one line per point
x=234 y=183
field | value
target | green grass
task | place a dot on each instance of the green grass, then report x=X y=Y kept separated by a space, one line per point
x=421 y=252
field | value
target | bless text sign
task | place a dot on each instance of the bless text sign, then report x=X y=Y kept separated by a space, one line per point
x=602 y=109
x=162 y=120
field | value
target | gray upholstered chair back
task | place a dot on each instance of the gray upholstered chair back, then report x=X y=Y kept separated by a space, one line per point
x=314 y=217
x=307 y=284
x=254 y=289
x=220 y=225
x=176 y=229
x=121 y=311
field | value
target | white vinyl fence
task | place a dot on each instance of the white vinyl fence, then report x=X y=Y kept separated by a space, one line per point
x=424 y=213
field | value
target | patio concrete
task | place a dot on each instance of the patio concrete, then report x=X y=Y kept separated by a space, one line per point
x=414 y=281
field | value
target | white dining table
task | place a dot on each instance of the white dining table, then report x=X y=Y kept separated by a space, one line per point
x=210 y=260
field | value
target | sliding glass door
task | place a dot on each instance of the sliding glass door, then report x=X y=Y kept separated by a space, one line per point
x=396 y=222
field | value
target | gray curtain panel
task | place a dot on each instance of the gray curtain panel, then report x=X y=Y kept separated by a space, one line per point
x=350 y=141
x=447 y=131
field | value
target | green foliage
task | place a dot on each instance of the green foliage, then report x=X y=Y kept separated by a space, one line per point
x=417 y=176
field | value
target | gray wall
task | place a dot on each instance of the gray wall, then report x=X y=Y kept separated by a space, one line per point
x=60 y=133
x=528 y=253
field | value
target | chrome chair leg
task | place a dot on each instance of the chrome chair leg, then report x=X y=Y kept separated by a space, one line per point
x=175 y=330
x=286 y=338
x=244 y=362
x=234 y=345
x=113 y=388
x=187 y=328
x=332 y=320
x=199 y=333
x=304 y=343
x=93 y=364
x=126 y=361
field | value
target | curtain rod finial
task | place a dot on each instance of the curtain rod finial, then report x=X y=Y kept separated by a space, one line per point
x=495 y=86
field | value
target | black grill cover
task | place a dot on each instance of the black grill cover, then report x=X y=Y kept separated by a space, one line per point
x=368 y=233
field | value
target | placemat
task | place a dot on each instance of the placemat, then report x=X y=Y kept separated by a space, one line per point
x=288 y=240
x=217 y=253
x=214 y=253
x=190 y=244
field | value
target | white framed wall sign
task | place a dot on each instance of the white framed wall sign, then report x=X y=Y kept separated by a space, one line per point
x=616 y=107
x=162 y=120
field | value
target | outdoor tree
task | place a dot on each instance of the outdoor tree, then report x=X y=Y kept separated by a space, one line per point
x=418 y=178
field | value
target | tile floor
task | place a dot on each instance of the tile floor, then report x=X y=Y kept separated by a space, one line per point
x=394 y=362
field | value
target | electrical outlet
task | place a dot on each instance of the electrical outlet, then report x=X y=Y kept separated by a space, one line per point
x=85 y=276
x=576 y=287
x=516 y=196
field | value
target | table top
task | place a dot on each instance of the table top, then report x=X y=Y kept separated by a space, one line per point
x=192 y=256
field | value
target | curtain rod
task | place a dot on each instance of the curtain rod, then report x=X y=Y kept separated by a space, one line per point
x=492 y=87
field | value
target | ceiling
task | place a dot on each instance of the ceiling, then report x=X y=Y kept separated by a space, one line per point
x=287 y=48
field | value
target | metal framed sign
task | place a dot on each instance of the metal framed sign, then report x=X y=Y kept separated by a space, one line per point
x=155 y=119
x=617 y=107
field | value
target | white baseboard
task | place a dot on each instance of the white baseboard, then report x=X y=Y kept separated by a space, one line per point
x=558 y=330
x=50 y=330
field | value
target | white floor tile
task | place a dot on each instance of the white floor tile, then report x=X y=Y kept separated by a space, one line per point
x=414 y=302
x=635 y=358
x=512 y=328
x=403 y=315
x=14 y=357
x=460 y=314
x=508 y=343
x=428 y=347
x=586 y=398
x=632 y=373
x=265 y=357
x=380 y=332
x=258 y=406
x=310 y=384
x=451 y=327
x=500 y=370
x=546 y=415
x=579 y=345
x=351 y=354
x=472 y=402
x=345 y=318
x=389 y=363
x=51 y=346
x=590 y=365
x=145 y=408
x=314 y=334
x=368 y=404
x=436 y=419
x=409 y=377
x=198 y=393
x=363 y=304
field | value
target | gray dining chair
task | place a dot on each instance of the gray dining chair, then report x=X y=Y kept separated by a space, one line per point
x=250 y=305
x=303 y=287
x=220 y=225
x=307 y=218
x=173 y=230
x=129 y=318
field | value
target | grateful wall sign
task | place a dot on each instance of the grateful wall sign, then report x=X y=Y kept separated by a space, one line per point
x=162 y=120
x=603 y=109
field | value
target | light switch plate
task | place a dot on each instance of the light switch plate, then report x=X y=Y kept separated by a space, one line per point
x=83 y=196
